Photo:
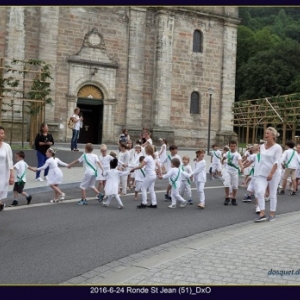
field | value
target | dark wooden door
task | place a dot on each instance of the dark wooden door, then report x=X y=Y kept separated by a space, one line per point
x=91 y=131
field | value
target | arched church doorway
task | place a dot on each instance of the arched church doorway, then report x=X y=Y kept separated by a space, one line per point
x=90 y=102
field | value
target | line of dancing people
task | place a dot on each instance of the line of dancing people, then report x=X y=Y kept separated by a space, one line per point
x=140 y=166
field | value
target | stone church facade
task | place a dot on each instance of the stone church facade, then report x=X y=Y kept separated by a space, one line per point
x=131 y=67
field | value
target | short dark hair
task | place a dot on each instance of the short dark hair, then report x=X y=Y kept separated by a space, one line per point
x=20 y=153
x=175 y=162
x=141 y=158
x=113 y=163
x=290 y=144
x=2 y=128
x=232 y=142
x=173 y=147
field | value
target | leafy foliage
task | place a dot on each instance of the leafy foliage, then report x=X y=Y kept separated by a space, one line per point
x=268 y=52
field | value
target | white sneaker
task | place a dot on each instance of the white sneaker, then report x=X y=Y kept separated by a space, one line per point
x=105 y=204
x=257 y=209
x=39 y=179
x=172 y=206
x=120 y=206
x=46 y=178
x=62 y=196
x=183 y=204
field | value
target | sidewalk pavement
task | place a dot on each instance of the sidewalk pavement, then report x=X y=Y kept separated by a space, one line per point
x=246 y=253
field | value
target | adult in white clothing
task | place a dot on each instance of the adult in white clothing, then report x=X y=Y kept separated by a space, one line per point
x=6 y=167
x=150 y=177
x=268 y=173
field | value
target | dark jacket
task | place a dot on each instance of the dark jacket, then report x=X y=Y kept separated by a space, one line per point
x=43 y=138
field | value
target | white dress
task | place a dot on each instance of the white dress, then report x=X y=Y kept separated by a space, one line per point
x=112 y=181
x=105 y=161
x=5 y=165
x=163 y=155
x=55 y=174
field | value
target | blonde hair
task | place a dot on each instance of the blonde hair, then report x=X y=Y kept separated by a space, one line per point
x=274 y=132
x=186 y=158
x=149 y=150
x=113 y=154
x=103 y=147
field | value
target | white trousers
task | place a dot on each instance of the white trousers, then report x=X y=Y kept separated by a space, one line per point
x=185 y=187
x=200 y=190
x=110 y=197
x=149 y=183
x=175 y=196
x=261 y=185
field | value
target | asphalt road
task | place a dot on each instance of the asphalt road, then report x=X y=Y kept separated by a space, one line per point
x=47 y=243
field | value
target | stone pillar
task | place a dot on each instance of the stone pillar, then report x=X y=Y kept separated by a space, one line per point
x=15 y=50
x=135 y=84
x=228 y=75
x=108 y=134
x=163 y=72
x=48 y=50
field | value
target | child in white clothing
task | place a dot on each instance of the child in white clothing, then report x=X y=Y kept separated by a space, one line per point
x=20 y=178
x=185 y=185
x=174 y=175
x=199 y=175
x=90 y=161
x=112 y=183
x=215 y=162
x=163 y=153
x=139 y=176
x=123 y=163
x=55 y=174
x=105 y=159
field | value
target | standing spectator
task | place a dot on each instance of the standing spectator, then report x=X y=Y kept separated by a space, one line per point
x=268 y=173
x=76 y=128
x=43 y=142
x=148 y=139
x=124 y=137
x=6 y=167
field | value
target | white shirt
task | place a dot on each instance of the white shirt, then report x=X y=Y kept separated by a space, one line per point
x=124 y=158
x=105 y=160
x=139 y=174
x=254 y=158
x=216 y=156
x=200 y=171
x=92 y=159
x=288 y=156
x=21 y=167
x=150 y=165
x=268 y=158
x=77 y=124
x=187 y=169
x=168 y=159
x=234 y=158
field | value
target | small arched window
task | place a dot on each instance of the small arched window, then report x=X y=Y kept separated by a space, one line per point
x=197 y=41
x=195 y=103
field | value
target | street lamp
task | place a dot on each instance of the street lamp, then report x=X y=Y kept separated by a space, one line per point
x=210 y=91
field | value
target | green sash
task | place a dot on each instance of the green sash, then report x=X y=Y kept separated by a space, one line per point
x=287 y=164
x=169 y=157
x=21 y=178
x=183 y=171
x=252 y=170
x=229 y=162
x=216 y=155
x=174 y=181
x=90 y=165
x=143 y=172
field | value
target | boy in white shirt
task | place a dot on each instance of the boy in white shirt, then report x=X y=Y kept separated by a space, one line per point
x=20 y=178
x=289 y=162
x=174 y=175
x=231 y=176
x=185 y=185
x=90 y=161
x=174 y=150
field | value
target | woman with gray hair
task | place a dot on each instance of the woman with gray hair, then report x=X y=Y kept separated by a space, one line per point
x=269 y=168
x=6 y=167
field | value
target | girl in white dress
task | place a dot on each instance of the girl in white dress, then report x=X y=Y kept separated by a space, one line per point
x=105 y=159
x=55 y=174
x=6 y=167
x=112 y=183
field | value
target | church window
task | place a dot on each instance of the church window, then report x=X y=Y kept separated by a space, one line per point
x=195 y=103
x=197 y=41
